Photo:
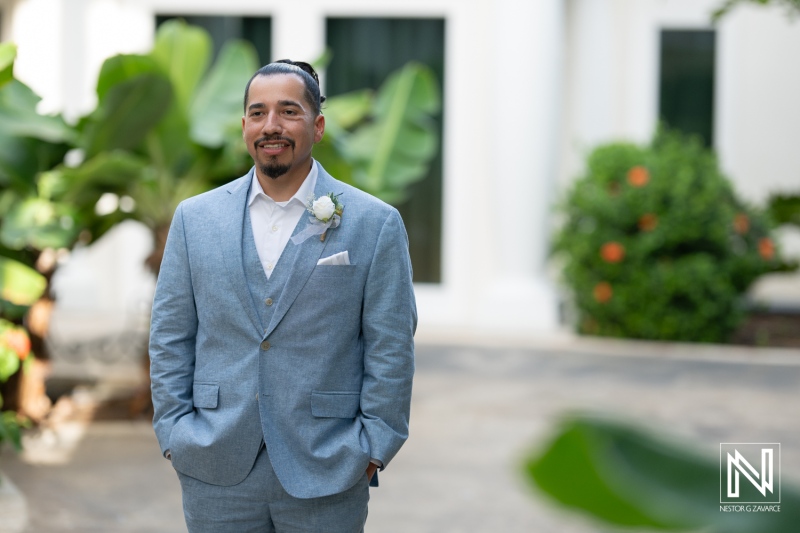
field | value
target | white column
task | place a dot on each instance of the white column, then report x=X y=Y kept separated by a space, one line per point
x=523 y=133
x=298 y=31
x=37 y=32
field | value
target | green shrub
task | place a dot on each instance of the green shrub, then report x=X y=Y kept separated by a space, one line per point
x=657 y=245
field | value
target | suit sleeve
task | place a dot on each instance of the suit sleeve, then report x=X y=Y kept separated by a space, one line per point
x=388 y=323
x=173 y=329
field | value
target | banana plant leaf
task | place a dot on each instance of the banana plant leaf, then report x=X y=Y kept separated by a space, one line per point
x=8 y=52
x=127 y=113
x=394 y=149
x=623 y=475
x=122 y=68
x=329 y=153
x=21 y=158
x=82 y=187
x=184 y=53
x=216 y=109
x=18 y=116
x=20 y=284
x=342 y=113
x=38 y=223
x=346 y=111
x=165 y=127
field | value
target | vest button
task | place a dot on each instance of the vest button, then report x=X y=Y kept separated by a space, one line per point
x=268 y=301
x=265 y=345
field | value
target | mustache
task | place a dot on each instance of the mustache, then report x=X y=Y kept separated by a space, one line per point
x=268 y=138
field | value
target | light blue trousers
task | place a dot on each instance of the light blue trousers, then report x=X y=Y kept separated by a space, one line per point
x=260 y=505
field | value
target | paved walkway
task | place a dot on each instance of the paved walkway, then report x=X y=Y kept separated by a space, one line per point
x=476 y=412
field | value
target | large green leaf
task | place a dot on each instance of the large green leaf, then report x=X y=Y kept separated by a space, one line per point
x=128 y=113
x=8 y=52
x=347 y=110
x=109 y=172
x=394 y=149
x=184 y=53
x=38 y=223
x=18 y=116
x=22 y=158
x=121 y=68
x=342 y=113
x=106 y=172
x=626 y=476
x=216 y=110
x=329 y=154
x=20 y=284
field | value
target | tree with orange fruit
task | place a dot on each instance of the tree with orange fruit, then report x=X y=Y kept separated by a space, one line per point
x=656 y=244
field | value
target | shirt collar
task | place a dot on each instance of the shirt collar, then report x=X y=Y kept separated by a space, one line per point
x=303 y=194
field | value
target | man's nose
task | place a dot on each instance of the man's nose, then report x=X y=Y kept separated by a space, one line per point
x=272 y=124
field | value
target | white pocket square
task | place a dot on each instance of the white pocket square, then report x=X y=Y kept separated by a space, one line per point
x=342 y=258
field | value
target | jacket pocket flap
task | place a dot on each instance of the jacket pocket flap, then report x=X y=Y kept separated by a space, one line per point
x=206 y=395
x=335 y=404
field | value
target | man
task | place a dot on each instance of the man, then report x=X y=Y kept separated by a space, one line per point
x=281 y=343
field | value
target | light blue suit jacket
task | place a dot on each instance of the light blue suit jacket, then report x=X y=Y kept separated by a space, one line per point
x=327 y=383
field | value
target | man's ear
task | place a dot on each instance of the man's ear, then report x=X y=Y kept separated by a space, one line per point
x=242 y=126
x=319 y=128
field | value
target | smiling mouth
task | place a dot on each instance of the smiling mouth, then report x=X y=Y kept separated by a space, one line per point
x=274 y=146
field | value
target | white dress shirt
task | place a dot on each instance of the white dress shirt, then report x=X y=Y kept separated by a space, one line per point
x=273 y=222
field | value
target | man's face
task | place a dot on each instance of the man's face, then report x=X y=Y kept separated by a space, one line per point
x=280 y=127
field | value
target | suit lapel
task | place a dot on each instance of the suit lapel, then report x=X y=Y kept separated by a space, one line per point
x=308 y=253
x=231 y=220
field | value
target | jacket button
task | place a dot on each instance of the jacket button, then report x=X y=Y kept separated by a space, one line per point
x=265 y=345
x=268 y=301
x=256 y=396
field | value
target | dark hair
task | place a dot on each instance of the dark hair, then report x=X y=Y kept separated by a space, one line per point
x=299 y=68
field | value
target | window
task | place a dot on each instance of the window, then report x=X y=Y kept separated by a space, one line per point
x=365 y=52
x=257 y=30
x=686 y=92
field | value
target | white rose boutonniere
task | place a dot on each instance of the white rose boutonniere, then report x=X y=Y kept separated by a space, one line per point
x=326 y=212
x=323 y=208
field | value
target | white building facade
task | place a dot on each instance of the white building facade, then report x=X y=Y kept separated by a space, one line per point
x=530 y=86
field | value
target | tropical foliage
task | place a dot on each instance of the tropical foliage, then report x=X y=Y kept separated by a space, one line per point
x=167 y=126
x=15 y=350
x=383 y=142
x=626 y=476
x=33 y=215
x=657 y=245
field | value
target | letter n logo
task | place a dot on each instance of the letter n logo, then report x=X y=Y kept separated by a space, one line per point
x=750 y=472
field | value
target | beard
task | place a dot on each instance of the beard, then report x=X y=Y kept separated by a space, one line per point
x=274 y=170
